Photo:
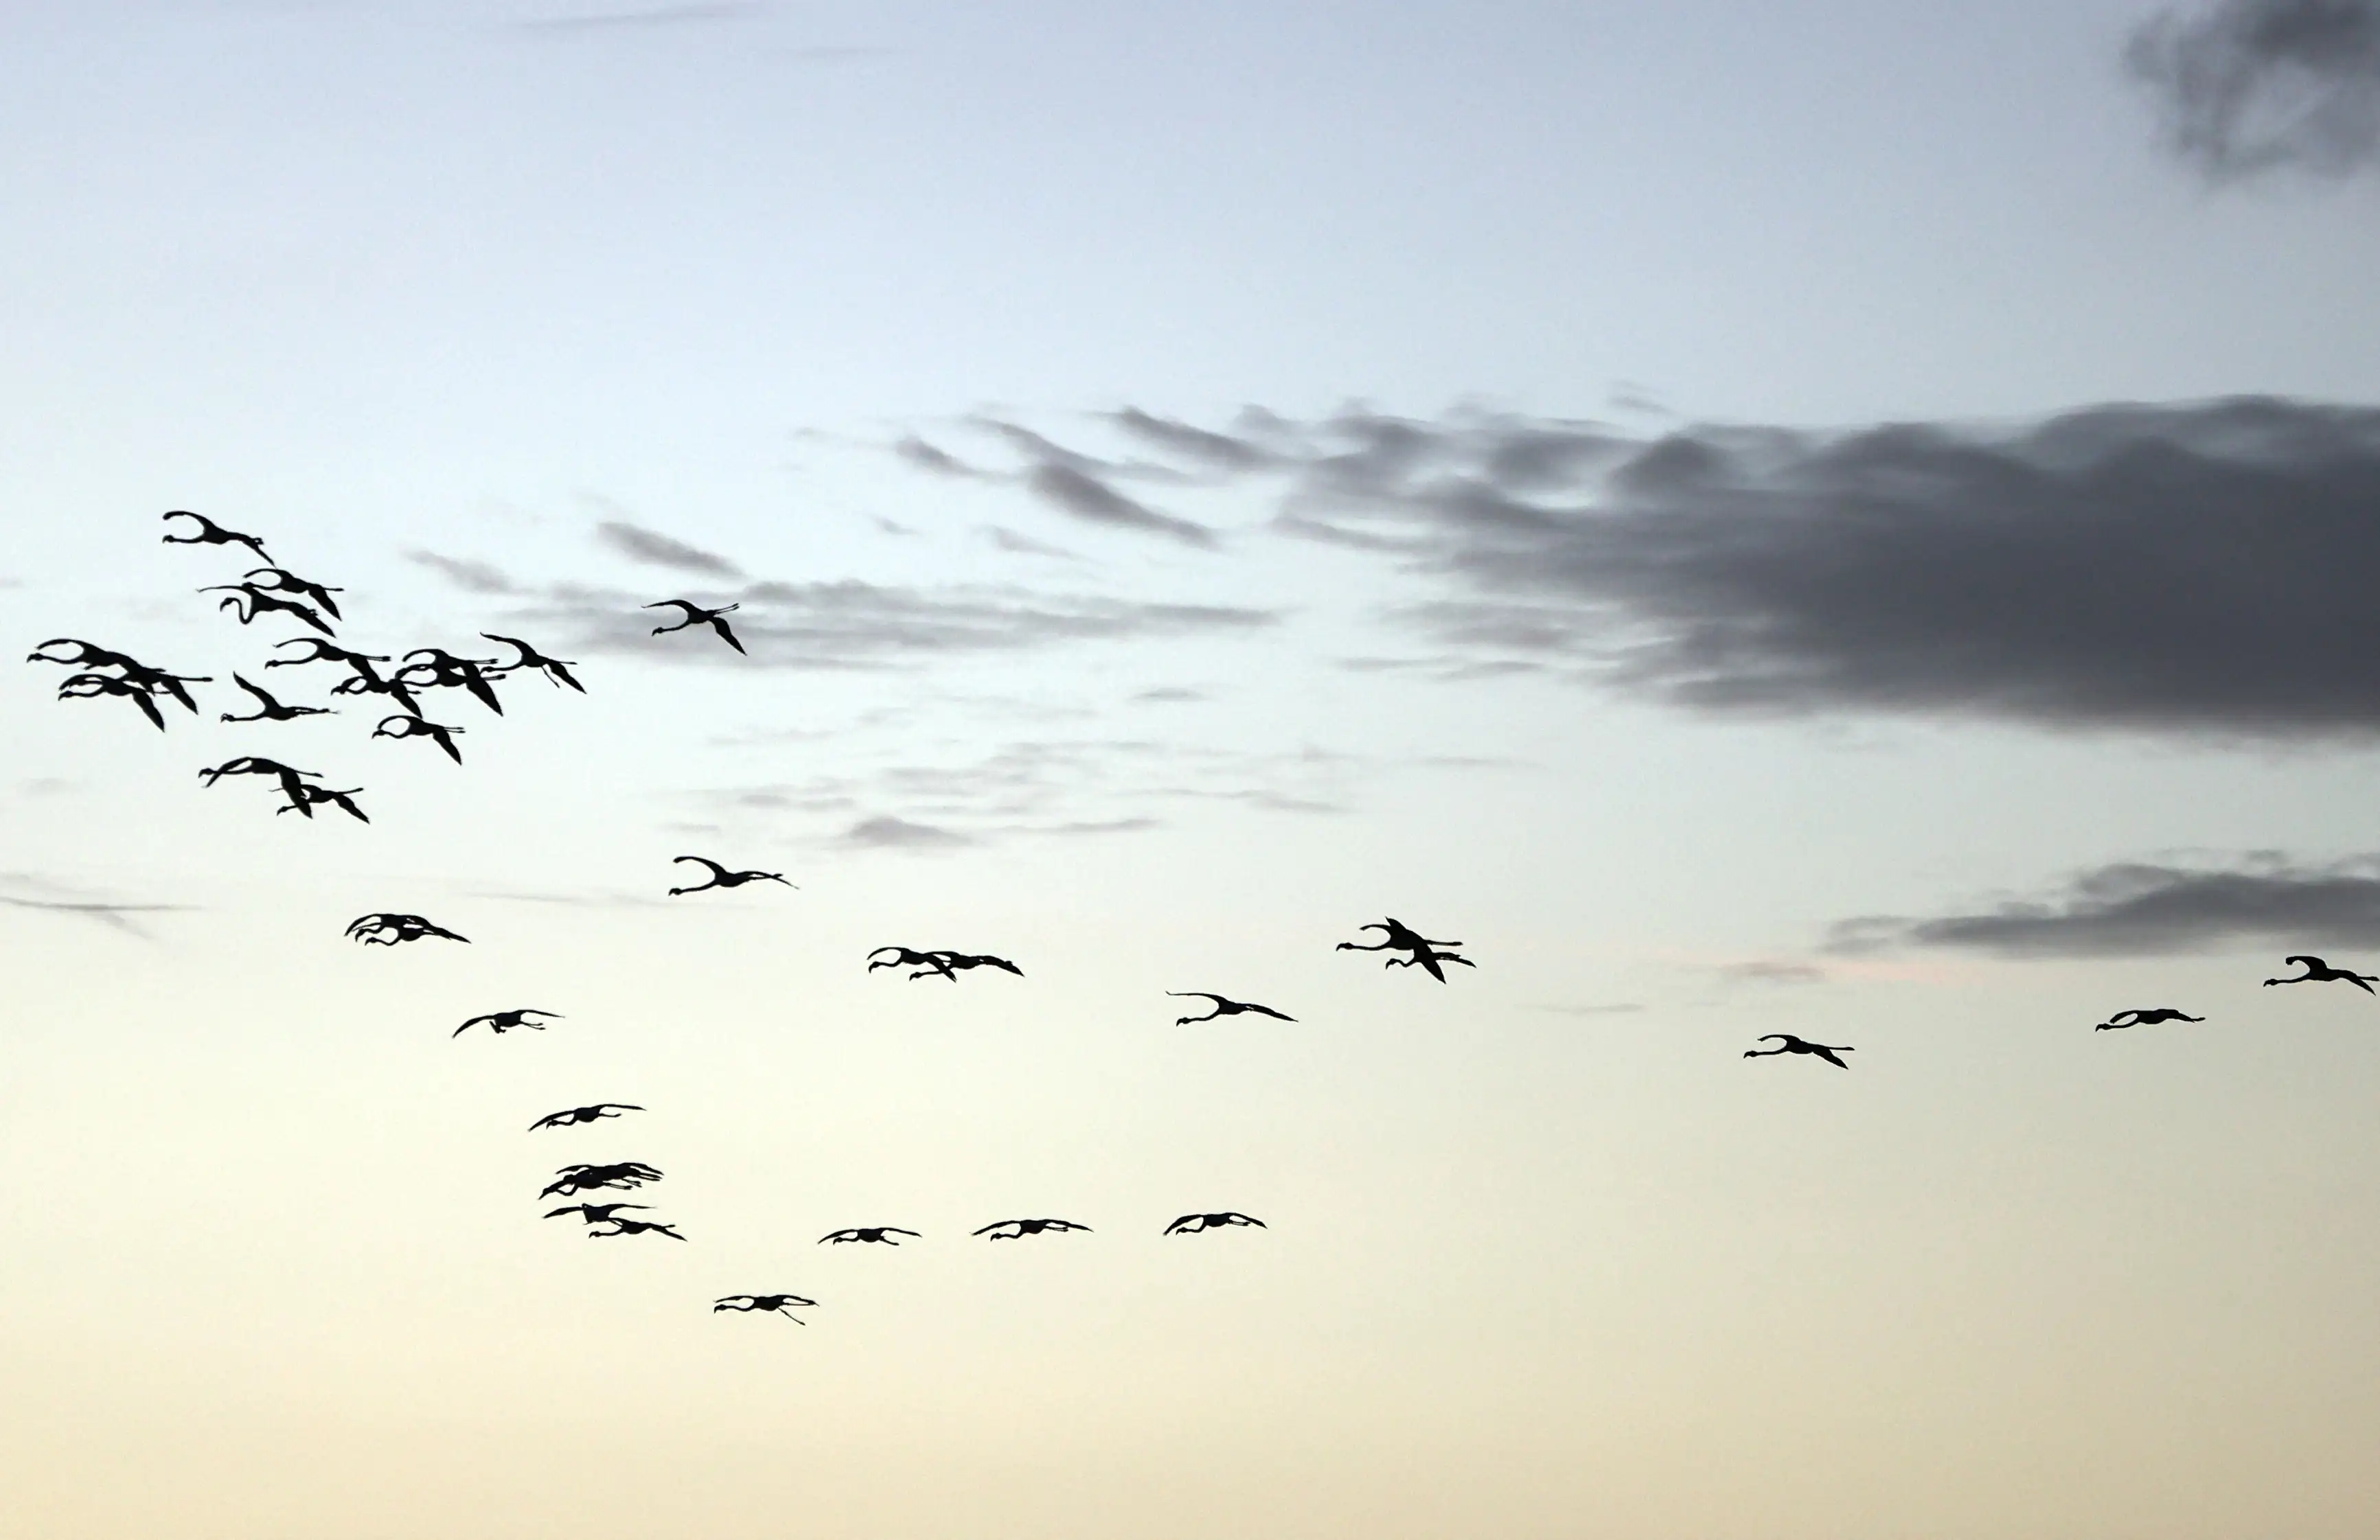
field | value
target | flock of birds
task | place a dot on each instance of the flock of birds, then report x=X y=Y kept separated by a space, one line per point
x=269 y=589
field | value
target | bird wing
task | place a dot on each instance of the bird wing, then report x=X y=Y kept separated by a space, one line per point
x=1429 y=960
x=1269 y=1011
x=719 y=624
x=716 y=869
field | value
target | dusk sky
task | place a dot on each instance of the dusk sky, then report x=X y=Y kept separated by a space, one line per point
x=1855 y=520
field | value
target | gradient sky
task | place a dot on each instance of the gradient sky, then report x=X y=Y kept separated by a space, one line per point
x=1854 y=519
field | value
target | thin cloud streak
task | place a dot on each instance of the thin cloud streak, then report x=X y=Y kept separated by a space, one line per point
x=655 y=549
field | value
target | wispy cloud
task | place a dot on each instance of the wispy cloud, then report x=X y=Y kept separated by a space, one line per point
x=1075 y=491
x=655 y=549
x=655 y=16
x=468 y=575
x=2251 y=86
x=1771 y=970
x=115 y=917
x=2140 y=909
x=886 y=832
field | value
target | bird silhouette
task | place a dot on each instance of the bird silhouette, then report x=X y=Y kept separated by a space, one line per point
x=1429 y=960
x=782 y=1303
x=420 y=727
x=1791 y=1044
x=1022 y=1227
x=441 y=669
x=963 y=960
x=91 y=686
x=633 y=1227
x=502 y=1022
x=248 y=602
x=570 y=1117
x=386 y=930
x=869 y=1232
x=292 y=781
x=2317 y=971
x=556 y=670
x=269 y=710
x=366 y=679
x=305 y=799
x=1191 y=1224
x=594 y=1213
x=89 y=656
x=1223 y=1007
x=571 y=1181
x=721 y=878
x=694 y=616
x=1396 y=936
x=289 y=582
x=2142 y=1018
x=903 y=957
x=211 y=533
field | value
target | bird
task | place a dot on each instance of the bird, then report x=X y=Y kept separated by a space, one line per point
x=269 y=710
x=445 y=671
x=1396 y=936
x=694 y=616
x=869 y=1232
x=1027 y=1227
x=571 y=1116
x=782 y=1303
x=556 y=670
x=571 y=1181
x=2142 y=1018
x=964 y=961
x=366 y=679
x=91 y=686
x=420 y=727
x=248 y=602
x=386 y=930
x=502 y=1022
x=87 y=655
x=903 y=958
x=1429 y=958
x=305 y=799
x=1795 y=1045
x=633 y=1227
x=211 y=533
x=1223 y=1007
x=292 y=780
x=594 y=1213
x=2318 y=971
x=721 y=878
x=289 y=582
x=1191 y=1224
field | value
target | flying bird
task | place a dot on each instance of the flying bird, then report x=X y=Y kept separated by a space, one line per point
x=289 y=582
x=2117 y=1022
x=502 y=1022
x=694 y=616
x=248 y=602
x=91 y=686
x=443 y=670
x=88 y=656
x=305 y=799
x=1191 y=1224
x=418 y=727
x=1223 y=1007
x=2317 y=971
x=572 y=1116
x=1791 y=1044
x=869 y=1232
x=721 y=878
x=1429 y=960
x=964 y=961
x=211 y=533
x=556 y=670
x=386 y=930
x=269 y=710
x=571 y=1181
x=1396 y=936
x=782 y=1303
x=903 y=957
x=633 y=1227
x=1021 y=1228
x=594 y=1213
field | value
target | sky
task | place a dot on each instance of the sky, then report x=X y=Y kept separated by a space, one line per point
x=1851 y=520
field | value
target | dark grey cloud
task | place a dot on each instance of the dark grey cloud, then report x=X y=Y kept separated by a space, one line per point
x=2202 y=567
x=1075 y=491
x=1220 y=451
x=925 y=456
x=2251 y=86
x=656 y=16
x=658 y=550
x=2146 y=909
x=468 y=575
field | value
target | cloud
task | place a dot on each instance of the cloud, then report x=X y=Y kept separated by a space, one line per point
x=1075 y=491
x=2251 y=86
x=113 y=916
x=2137 y=909
x=2200 y=567
x=1622 y=1008
x=925 y=456
x=658 y=16
x=1770 y=970
x=468 y=575
x=661 y=551
x=886 y=832
x=1220 y=451
x=1025 y=545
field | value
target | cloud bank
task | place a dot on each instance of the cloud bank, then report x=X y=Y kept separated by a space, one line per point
x=2251 y=86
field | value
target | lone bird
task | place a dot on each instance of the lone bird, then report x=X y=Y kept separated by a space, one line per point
x=622 y=1176
x=2317 y=971
x=1223 y=1007
x=1021 y=1228
x=634 y=1227
x=782 y=1303
x=1791 y=1044
x=1397 y=935
x=386 y=930
x=721 y=878
x=2117 y=1022
x=289 y=582
x=869 y=1232
x=269 y=710
x=418 y=727
x=594 y=1213
x=443 y=670
x=1191 y=1224
x=502 y=1022
x=211 y=533
x=305 y=799
x=570 y=1117
x=694 y=616
x=924 y=962
x=963 y=960
x=248 y=602
x=556 y=670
